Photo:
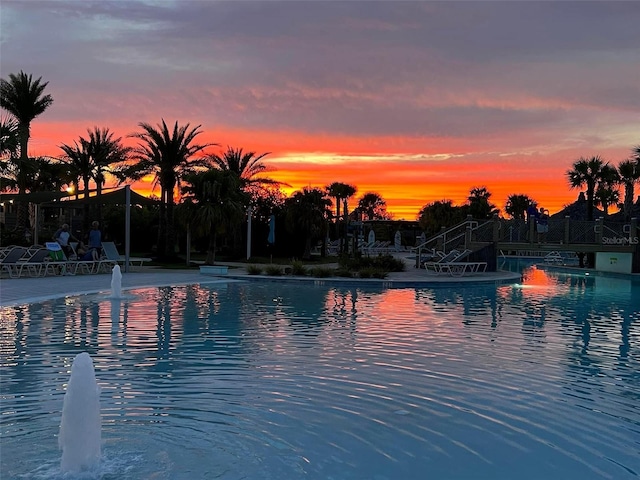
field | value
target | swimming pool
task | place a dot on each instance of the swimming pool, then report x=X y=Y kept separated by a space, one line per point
x=273 y=381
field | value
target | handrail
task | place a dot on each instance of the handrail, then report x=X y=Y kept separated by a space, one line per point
x=458 y=231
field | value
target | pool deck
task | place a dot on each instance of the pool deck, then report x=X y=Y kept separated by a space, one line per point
x=17 y=291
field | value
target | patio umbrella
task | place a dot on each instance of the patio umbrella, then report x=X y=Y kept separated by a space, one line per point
x=397 y=240
x=271 y=239
x=372 y=237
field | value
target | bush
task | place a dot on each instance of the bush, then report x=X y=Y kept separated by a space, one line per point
x=273 y=270
x=372 y=272
x=385 y=263
x=298 y=268
x=343 y=272
x=388 y=263
x=322 y=272
x=254 y=270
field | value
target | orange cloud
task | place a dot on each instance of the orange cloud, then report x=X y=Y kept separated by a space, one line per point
x=407 y=172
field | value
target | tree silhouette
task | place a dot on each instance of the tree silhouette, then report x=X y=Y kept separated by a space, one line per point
x=24 y=98
x=586 y=172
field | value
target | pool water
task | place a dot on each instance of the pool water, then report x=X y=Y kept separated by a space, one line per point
x=250 y=380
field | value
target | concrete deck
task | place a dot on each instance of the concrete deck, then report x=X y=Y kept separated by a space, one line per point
x=17 y=291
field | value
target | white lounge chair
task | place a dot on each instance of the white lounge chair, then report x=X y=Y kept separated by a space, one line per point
x=453 y=264
x=452 y=256
x=111 y=252
x=34 y=265
x=12 y=260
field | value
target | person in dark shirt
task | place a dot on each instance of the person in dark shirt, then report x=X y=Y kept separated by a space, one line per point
x=95 y=239
x=543 y=225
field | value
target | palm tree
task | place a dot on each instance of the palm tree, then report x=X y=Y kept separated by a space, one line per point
x=23 y=98
x=79 y=166
x=9 y=140
x=169 y=155
x=9 y=148
x=341 y=192
x=104 y=151
x=479 y=205
x=373 y=206
x=606 y=191
x=517 y=205
x=586 y=172
x=248 y=166
x=48 y=175
x=629 y=171
x=250 y=169
x=307 y=212
x=214 y=203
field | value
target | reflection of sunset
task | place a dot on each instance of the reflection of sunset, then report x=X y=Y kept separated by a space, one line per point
x=535 y=277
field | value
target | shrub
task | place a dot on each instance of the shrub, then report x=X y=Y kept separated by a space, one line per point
x=388 y=263
x=322 y=272
x=254 y=270
x=273 y=270
x=298 y=268
x=343 y=272
x=372 y=272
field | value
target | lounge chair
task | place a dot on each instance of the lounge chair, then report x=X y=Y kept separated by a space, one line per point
x=34 y=264
x=442 y=258
x=453 y=264
x=111 y=252
x=57 y=264
x=554 y=258
x=12 y=260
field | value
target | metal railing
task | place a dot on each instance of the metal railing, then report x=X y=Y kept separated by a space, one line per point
x=455 y=237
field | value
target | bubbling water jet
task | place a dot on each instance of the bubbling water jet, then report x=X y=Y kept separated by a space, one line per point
x=116 y=282
x=80 y=436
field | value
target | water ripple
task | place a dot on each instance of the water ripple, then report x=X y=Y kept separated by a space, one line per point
x=268 y=381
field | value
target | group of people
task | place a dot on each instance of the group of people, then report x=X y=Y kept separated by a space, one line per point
x=540 y=218
x=86 y=252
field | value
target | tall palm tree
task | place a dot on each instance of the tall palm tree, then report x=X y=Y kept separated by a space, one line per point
x=104 y=151
x=79 y=166
x=169 y=155
x=586 y=172
x=629 y=171
x=214 y=203
x=23 y=98
x=517 y=205
x=341 y=192
x=248 y=166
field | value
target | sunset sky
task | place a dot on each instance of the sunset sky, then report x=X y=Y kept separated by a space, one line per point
x=418 y=101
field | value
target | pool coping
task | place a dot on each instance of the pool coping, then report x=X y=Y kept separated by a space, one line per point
x=20 y=291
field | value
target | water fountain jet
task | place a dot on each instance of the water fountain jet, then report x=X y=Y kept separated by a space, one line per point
x=80 y=436
x=116 y=282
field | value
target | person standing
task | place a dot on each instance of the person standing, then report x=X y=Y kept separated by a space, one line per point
x=95 y=238
x=543 y=225
x=532 y=221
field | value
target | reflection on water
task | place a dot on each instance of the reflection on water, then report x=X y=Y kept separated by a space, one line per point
x=249 y=380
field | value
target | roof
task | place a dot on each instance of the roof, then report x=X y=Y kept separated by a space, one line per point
x=115 y=197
